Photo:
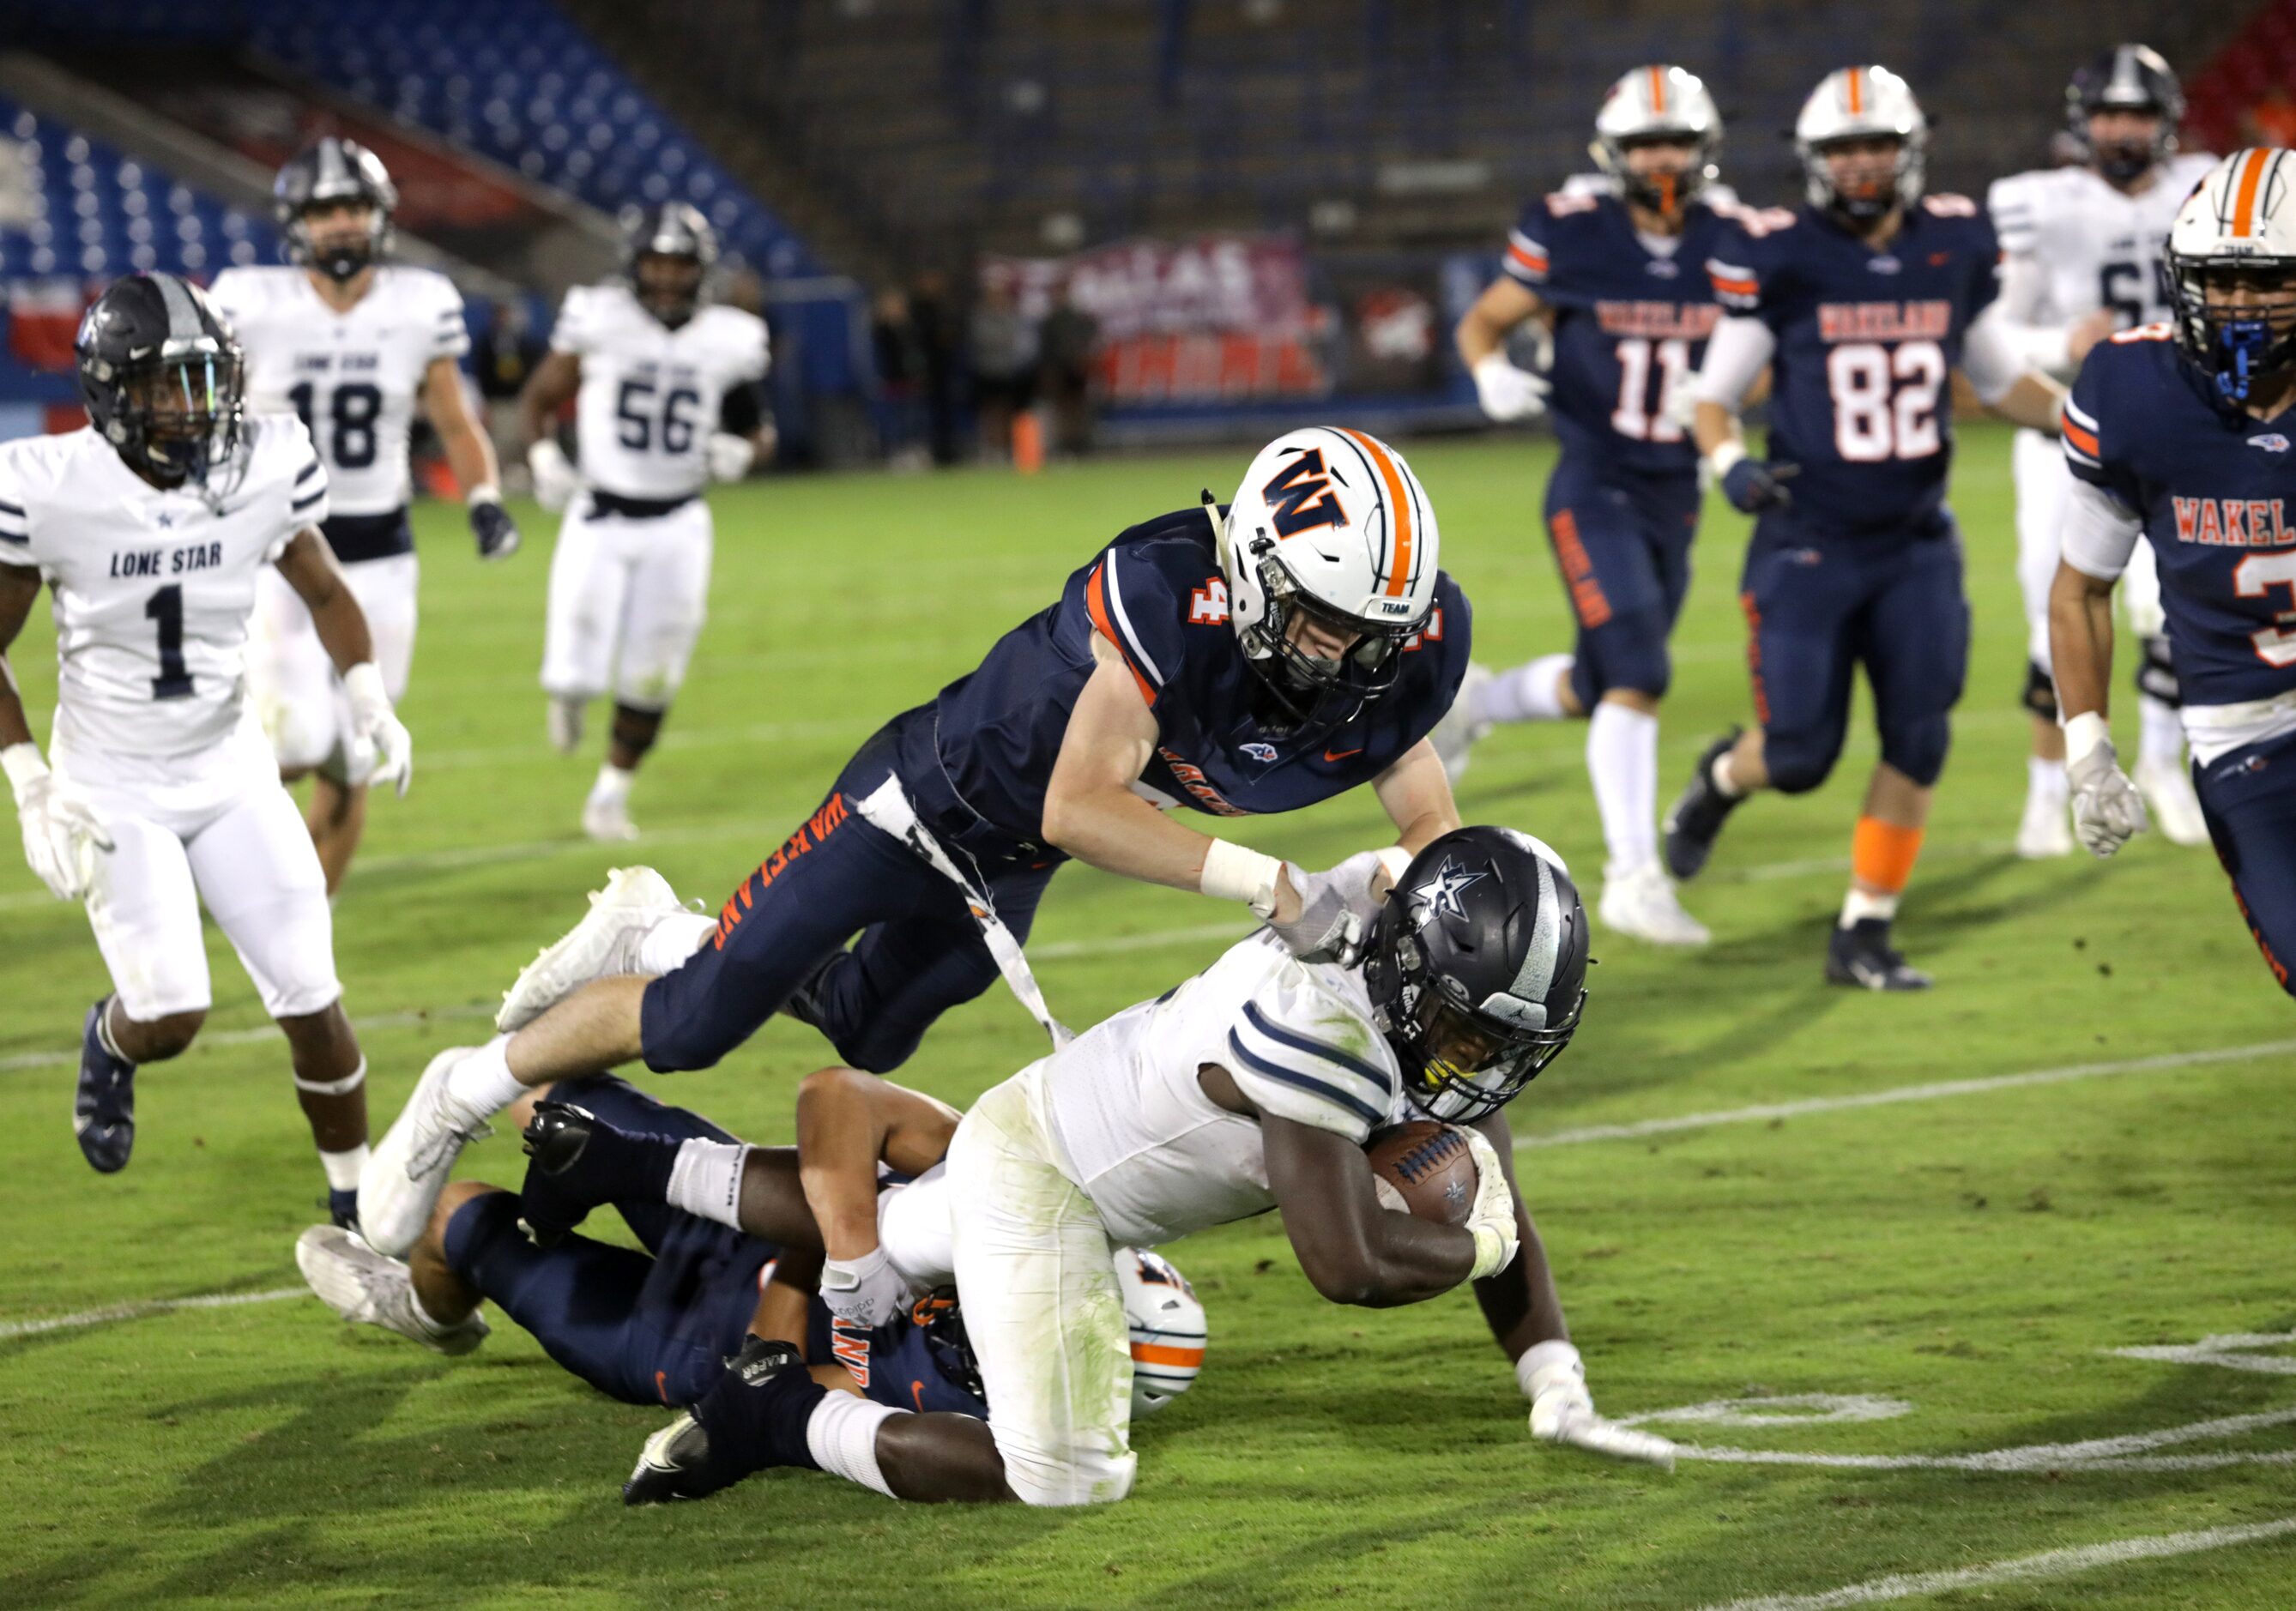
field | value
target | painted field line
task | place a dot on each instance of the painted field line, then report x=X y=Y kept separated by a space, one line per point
x=2027 y=1568
x=2132 y=1450
x=130 y=1311
x=1935 y=1091
x=259 y=1033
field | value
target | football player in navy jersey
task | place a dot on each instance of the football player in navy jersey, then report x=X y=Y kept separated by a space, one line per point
x=1235 y=661
x=2181 y=432
x=1862 y=303
x=1620 y=284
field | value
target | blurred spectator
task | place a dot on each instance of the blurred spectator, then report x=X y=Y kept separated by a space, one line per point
x=504 y=355
x=941 y=339
x=900 y=380
x=2271 y=121
x=1004 y=352
x=1068 y=338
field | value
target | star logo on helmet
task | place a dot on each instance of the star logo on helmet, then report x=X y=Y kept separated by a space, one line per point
x=1439 y=898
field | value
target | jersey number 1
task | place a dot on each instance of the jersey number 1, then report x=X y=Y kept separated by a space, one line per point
x=167 y=607
x=1885 y=400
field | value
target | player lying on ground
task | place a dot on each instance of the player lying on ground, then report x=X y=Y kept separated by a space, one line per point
x=1260 y=658
x=1253 y=1086
x=656 y=1327
x=151 y=528
x=2181 y=432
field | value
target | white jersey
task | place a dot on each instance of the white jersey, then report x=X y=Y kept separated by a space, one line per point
x=1158 y=1159
x=354 y=377
x=650 y=394
x=2074 y=244
x=152 y=590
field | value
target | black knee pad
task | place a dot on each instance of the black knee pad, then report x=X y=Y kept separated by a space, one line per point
x=2156 y=673
x=1798 y=763
x=2041 y=691
x=1918 y=747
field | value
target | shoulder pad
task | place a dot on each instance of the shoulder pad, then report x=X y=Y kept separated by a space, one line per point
x=1299 y=1049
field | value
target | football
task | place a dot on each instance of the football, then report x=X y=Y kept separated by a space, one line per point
x=1429 y=1167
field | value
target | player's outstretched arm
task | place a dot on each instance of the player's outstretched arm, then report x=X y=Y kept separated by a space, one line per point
x=382 y=752
x=557 y=377
x=1351 y=1249
x=2108 y=810
x=846 y=1123
x=470 y=456
x=1416 y=794
x=62 y=833
x=19 y=589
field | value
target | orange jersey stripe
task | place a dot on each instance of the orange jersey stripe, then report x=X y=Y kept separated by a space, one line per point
x=1095 y=600
x=1743 y=288
x=1399 y=503
x=1657 y=90
x=2082 y=439
x=2243 y=201
x=1530 y=260
x=1155 y=1353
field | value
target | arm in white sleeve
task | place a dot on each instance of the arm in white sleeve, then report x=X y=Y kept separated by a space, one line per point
x=1991 y=358
x=2100 y=531
x=1739 y=351
x=2021 y=310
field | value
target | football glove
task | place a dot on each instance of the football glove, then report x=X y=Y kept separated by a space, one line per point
x=62 y=833
x=1328 y=929
x=729 y=455
x=555 y=482
x=866 y=1291
x=381 y=751
x=1506 y=392
x=495 y=531
x=1492 y=1218
x=1554 y=1377
x=2108 y=810
x=1753 y=484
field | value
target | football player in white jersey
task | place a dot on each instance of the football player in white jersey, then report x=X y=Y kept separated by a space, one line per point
x=669 y=397
x=352 y=343
x=151 y=528
x=2081 y=258
x=1254 y=1085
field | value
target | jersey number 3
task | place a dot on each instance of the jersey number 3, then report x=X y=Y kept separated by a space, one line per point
x=2254 y=577
x=1885 y=400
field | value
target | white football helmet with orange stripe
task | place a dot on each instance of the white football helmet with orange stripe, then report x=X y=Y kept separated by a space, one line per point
x=1329 y=524
x=2230 y=272
x=1167 y=1324
x=1658 y=102
x=1862 y=104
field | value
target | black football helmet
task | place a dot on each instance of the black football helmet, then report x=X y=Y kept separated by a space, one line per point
x=162 y=377
x=2127 y=78
x=1477 y=970
x=677 y=231
x=324 y=173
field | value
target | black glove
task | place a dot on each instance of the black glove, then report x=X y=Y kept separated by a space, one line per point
x=496 y=532
x=1753 y=485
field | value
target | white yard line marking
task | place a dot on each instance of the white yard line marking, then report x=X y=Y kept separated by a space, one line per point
x=2026 y=1568
x=165 y=1306
x=2132 y=1450
x=2235 y=1351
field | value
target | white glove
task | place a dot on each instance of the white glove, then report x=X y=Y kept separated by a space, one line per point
x=2107 y=810
x=1506 y=392
x=555 y=481
x=62 y=831
x=1492 y=1218
x=1328 y=929
x=729 y=455
x=866 y=1291
x=1554 y=1378
x=380 y=751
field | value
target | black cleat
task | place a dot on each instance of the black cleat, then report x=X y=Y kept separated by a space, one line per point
x=753 y=1419
x=104 y=1108
x=1696 y=821
x=1862 y=955
x=579 y=1162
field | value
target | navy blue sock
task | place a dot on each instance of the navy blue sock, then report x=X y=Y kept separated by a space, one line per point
x=755 y=1416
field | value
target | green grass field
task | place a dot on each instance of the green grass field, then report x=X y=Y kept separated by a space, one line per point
x=1974 y=1258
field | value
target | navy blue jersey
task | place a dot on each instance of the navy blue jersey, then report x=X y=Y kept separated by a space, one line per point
x=983 y=752
x=918 y=1361
x=1630 y=326
x=2217 y=492
x=1867 y=342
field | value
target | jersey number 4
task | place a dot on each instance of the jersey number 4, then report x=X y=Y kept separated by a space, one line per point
x=1639 y=417
x=2256 y=577
x=351 y=411
x=1885 y=400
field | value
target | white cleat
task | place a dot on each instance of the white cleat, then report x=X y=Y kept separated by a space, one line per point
x=409 y=1168
x=604 y=942
x=1642 y=904
x=2046 y=830
x=1455 y=736
x=608 y=821
x=564 y=718
x=368 y=1290
x=2175 y=809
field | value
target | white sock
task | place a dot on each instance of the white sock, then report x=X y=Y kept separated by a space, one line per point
x=669 y=944
x=483 y=1082
x=2046 y=780
x=1622 y=758
x=613 y=783
x=103 y=1036
x=422 y=1317
x=343 y=1167
x=1861 y=905
x=1524 y=693
x=706 y=1181
x=842 y=1436
x=1723 y=778
x=2160 y=734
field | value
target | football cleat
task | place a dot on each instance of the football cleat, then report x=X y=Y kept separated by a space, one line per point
x=754 y=1419
x=1695 y=821
x=409 y=1168
x=579 y=1162
x=2168 y=792
x=103 y=1108
x=604 y=943
x=1642 y=905
x=368 y=1290
x=2046 y=830
x=671 y=1465
x=564 y=718
x=607 y=820
x=1455 y=736
x=1862 y=955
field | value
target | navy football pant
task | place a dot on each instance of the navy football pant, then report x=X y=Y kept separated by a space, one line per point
x=919 y=952
x=1623 y=546
x=1818 y=610
x=646 y=1328
x=2249 y=799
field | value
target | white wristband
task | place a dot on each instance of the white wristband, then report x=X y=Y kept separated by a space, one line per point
x=2083 y=734
x=364 y=684
x=1723 y=458
x=545 y=457
x=23 y=764
x=1541 y=1363
x=485 y=492
x=1235 y=872
x=1393 y=861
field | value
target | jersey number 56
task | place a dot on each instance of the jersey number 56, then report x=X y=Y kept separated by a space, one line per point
x=1885 y=399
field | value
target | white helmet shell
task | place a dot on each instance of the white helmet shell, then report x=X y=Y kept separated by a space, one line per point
x=1658 y=101
x=1167 y=1324
x=1851 y=102
x=2244 y=207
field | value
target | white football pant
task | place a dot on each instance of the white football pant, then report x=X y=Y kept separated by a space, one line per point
x=627 y=602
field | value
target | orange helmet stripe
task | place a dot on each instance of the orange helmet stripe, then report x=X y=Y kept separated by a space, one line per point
x=1399 y=505
x=1657 y=90
x=1856 y=91
x=2243 y=200
x=1155 y=1353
